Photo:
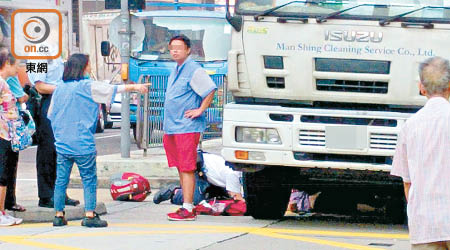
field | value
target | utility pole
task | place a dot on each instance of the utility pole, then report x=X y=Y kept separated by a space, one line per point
x=125 y=59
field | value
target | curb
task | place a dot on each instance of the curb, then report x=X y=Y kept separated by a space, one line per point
x=153 y=166
x=40 y=214
x=155 y=182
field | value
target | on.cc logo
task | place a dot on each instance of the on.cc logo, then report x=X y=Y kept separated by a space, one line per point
x=36 y=29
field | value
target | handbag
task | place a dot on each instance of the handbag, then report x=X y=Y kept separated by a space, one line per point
x=29 y=121
x=20 y=135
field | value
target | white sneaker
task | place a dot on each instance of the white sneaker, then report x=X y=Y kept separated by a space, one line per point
x=5 y=220
x=17 y=221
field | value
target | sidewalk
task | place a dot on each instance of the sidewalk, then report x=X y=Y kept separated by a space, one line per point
x=26 y=195
x=153 y=166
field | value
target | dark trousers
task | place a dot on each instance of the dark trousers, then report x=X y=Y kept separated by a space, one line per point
x=46 y=153
x=12 y=161
x=203 y=191
x=8 y=171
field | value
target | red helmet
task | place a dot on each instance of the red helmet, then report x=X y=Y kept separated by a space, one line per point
x=129 y=187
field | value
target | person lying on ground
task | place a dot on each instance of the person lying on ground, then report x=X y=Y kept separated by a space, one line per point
x=214 y=178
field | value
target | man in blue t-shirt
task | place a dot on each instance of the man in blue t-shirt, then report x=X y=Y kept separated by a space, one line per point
x=189 y=92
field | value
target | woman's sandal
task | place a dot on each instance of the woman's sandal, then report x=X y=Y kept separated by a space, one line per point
x=17 y=208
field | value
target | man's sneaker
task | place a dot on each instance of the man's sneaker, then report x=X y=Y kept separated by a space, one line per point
x=60 y=221
x=164 y=193
x=6 y=220
x=94 y=221
x=182 y=214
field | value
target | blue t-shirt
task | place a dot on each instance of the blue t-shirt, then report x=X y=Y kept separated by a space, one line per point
x=73 y=113
x=187 y=86
x=16 y=88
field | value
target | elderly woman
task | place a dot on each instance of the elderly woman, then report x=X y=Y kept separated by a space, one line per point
x=8 y=112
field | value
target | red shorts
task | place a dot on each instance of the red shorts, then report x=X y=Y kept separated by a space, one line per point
x=181 y=150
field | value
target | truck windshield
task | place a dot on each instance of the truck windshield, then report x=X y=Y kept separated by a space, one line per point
x=210 y=37
x=436 y=10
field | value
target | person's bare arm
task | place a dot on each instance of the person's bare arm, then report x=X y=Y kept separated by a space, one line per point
x=194 y=113
x=141 y=88
x=406 y=186
x=236 y=196
x=44 y=88
x=23 y=76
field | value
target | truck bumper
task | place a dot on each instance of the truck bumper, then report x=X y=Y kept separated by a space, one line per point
x=314 y=138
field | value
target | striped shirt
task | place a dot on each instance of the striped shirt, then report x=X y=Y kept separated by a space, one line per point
x=422 y=158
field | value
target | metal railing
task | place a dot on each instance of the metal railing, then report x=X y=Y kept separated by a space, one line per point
x=150 y=111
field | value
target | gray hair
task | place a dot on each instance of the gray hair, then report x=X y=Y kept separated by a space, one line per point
x=434 y=75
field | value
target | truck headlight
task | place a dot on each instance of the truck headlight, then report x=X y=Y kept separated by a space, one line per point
x=257 y=135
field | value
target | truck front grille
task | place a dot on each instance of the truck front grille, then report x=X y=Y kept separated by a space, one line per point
x=383 y=141
x=312 y=138
x=302 y=156
x=352 y=86
x=275 y=82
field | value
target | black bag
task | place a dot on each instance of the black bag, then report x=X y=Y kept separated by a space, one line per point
x=34 y=102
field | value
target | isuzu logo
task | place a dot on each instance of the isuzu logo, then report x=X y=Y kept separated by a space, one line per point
x=353 y=36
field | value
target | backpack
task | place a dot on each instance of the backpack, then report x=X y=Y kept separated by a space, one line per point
x=129 y=187
x=227 y=207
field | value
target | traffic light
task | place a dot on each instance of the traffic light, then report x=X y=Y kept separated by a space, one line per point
x=132 y=4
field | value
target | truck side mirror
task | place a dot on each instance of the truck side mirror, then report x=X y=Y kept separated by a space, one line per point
x=105 y=48
x=234 y=21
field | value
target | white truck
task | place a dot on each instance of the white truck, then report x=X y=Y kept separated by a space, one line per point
x=321 y=90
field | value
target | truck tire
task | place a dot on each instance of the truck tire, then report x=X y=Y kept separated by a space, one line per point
x=265 y=195
x=396 y=210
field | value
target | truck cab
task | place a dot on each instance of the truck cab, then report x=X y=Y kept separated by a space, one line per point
x=321 y=90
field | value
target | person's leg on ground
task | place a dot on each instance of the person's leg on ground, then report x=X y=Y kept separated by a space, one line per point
x=165 y=193
x=87 y=166
x=201 y=185
x=64 y=168
x=177 y=197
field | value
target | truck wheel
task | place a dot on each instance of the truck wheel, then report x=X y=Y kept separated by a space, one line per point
x=396 y=210
x=265 y=195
